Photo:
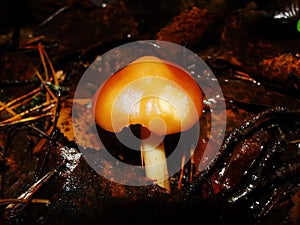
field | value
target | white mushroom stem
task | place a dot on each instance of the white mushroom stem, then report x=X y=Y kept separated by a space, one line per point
x=154 y=158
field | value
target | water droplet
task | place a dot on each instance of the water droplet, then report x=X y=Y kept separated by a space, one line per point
x=103 y=4
x=100 y=3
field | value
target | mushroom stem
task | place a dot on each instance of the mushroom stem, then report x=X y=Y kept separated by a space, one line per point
x=154 y=158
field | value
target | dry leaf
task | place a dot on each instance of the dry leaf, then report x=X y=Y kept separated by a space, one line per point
x=295 y=211
x=82 y=121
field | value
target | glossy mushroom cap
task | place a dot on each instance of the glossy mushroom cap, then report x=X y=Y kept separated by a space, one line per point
x=157 y=94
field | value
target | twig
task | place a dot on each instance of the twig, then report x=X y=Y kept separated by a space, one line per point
x=51 y=67
x=181 y=172
x=15 y=200
x=26 y=44
x=25 y=101
x=26 y=119
x=14 y=208
x=41 y=142
x=45 y=85
x=52 y=130
x=21 y=98
x=41 y=52
x=52 y=16
x=9 y=110
x=47 y=106
x=192 y=164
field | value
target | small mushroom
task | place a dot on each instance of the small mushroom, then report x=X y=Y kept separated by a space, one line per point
x=158 y=95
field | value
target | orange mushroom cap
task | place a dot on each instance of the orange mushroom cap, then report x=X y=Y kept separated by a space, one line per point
x=154 y=93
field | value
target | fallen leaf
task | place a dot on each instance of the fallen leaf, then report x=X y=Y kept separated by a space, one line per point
x=82 y=121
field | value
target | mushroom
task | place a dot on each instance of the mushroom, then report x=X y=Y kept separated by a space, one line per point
x=158 y=95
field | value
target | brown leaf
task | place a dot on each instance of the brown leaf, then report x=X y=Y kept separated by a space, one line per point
x=83 y=124
x=295 y=211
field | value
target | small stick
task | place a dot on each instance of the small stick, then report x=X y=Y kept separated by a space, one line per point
x=15 y=200
x=46 y=105
x=26 y=44
x=192 y=164
x=22 y=97
x=40 y=132
x=181 y=172
x=294 y=141
x=41 y=142
x=24 y=101
x=51 y=67
x=45 y=85
x=25 y=119
x=41 y=201
x=27 y=195
x=47 y=20
x=9 y=110
x=40 y=49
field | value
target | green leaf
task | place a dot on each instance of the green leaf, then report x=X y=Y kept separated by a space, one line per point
x=298 y=25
